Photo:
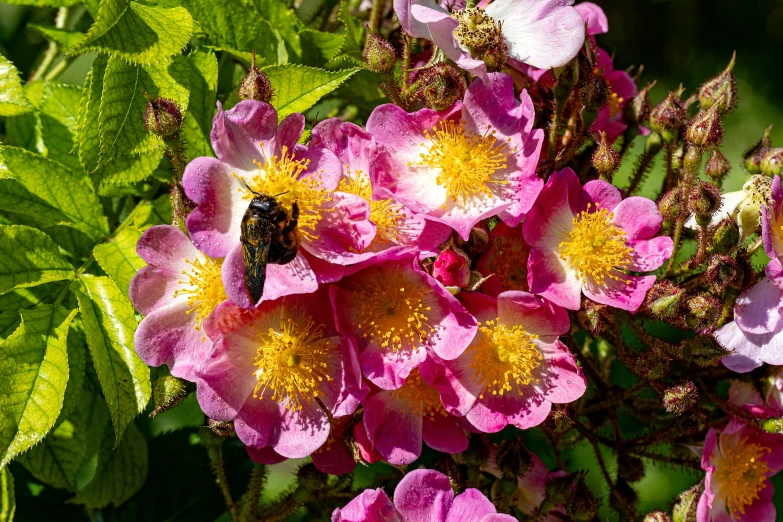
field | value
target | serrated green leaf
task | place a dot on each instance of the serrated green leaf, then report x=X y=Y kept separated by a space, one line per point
x=152 y=213
x=109 y=322
x=25 y=130
x=124 y=172
x=201 y=108
x=7 y=496
x=354 y=32
x=59 y=123
x=49 y=192
x=89 y=140
x=121 y=471
x=297 y=88
x=9 y=321
x=12 y=98
x=66 y=39
x=25 y=297
x=33 y=377
x=121 y=118
x=285 y=21
x=138 y=33
x=28 y=257
x=57 y=459
x=118 y=257
x=320 y=47
x=77 y=366
x=238 y=26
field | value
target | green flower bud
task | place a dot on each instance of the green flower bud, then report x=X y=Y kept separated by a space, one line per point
x=718 y=165
x=168 y=392
x=720 y=91
x=441 y=85
x=706 y=128
x=756 y=153
x=379 y=54
x=679 y=399
x=606 y=160
x=162 y=117
x=772 y=162
x=669 y=117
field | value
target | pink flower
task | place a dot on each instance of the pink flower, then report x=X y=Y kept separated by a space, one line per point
x=177 y=290
x=423 y=494
x=623 y=89
x=452 y=269
x=584 y=239
x=255 y=153
x=739 y=464
x=279 y=371
x=394 y=224
x=397 y=312
x=505 y=260
x=756 y=334
x=515 y=368
x=363 y=444
x=398 y=420
x=746 y=396
x=476 y=160
x=529 y=28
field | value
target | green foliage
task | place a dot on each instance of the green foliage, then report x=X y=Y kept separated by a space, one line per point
x=118 y=257
x=67 y=39
x=297 y=88
x=7 y=498
x=201 y=106
x=12 y=98
x=33 y=377
x=28 y=257
x=109 y=323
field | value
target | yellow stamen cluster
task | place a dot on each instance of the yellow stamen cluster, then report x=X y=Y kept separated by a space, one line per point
x=203 y=286
x=387 y=216
x=292 y=360
x=477 y=30
x=615 y=104
x=503 y=356
x=390 y=308
x=280 y=175
x=466 y=161
x=740 y=474
x=418 y=397
x=596 y=247
x=509 y=263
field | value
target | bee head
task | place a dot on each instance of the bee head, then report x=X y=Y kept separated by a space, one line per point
x=265 y=204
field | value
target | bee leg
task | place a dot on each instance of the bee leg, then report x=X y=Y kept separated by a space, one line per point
x=294 y=219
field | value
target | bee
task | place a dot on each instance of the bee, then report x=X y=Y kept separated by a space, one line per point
x=269 y=235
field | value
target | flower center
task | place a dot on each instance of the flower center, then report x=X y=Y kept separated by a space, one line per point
x=387 y=216
x=741 y=472
x=477 y=30
x=390 y=308
x=418 y=397
x=203 y=286
x=615 y=105
x=509 y=263
x=503 y=355
x=596 y=247
x=292 y=360
x=466 y=161
x=280 y=176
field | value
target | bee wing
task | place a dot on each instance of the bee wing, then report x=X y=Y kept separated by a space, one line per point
x=255 y=268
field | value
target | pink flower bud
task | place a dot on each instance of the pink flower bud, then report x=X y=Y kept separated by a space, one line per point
x=363 y=444
x=451 y=269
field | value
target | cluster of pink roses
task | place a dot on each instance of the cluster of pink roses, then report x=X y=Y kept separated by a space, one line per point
x=357 y=323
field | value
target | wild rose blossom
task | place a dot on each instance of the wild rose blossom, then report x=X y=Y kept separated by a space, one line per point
x=515 y=368
x=746 y=396
x=255 y=153
x=583 y=239
x=756 y=334
x=279 y=372
x=739 y=464
x=397 y=313
x=423 y=494
x=542 y=33
x=177 y=291
x=473 y=161
x=623 y=89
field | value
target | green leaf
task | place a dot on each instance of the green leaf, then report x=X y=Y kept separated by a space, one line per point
x=354 y=33
x=25 y=130
x=77 y=367
x=26 y=297
x=9 y=321
x=116 y=176
x=151 y=213
x=201 y=108
x=28 y=257
x=66 y=39
x=320 y=47
x=59 y=123
x=238 y=26
x=7 y=497
x=109 y=323
x=284 y=20
x=12 y=98
x=57 y=459
x=49 y=192
x=297 y=88
x=121 y=118
x=121 y=472
x=89 y=139
x=33 y=377
x=118 y=257
x=138 y=33
x=43 y=3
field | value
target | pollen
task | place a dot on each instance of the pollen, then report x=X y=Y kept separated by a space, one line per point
x=390 y=307
x=281 y=176
x=740 y=475
x=292 y=360
x=203 y=287
x=509 y=263
x=466 y=162
x=615 y=104
x=596 y=247
x=503 y=357
x=418 y=397
x=388 y=217
x=477 y=30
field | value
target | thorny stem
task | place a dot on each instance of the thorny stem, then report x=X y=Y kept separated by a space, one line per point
x=250 y=503
x=180 y=204
x=215 y=452
x=645 y=162
x=375 y=17
x=406 y=61
x=691 y=164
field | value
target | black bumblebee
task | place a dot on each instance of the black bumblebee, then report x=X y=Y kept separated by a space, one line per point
x=269 y=235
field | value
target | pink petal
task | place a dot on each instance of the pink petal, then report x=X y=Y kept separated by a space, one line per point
x=749 y=351
x=256 y=420
x=229 y=370
x=600 y=193
x=264 y=456
x=442 y=433
x=343 y=230
x=638 y=217
x=424 y=494
x=372 y=505
x=548 y=277
x=649 y=255
x=550 y=219
x=299 y=433
x=758 y=309
x=594 y=16
x=153 y=288
x=166 y=247
x=625 y=293
x=236 y=133
x=392 y=430
x=534 y=314
x=470 y=506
